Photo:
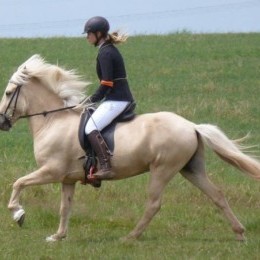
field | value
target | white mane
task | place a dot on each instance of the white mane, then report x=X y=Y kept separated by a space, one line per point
x=66 y=84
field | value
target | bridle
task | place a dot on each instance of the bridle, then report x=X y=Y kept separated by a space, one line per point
x=14 y=99
x=4 y=116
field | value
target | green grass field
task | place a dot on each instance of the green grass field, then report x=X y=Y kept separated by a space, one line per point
x=205 y=78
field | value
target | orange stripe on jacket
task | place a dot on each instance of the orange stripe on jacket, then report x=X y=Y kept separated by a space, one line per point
x=107 y=83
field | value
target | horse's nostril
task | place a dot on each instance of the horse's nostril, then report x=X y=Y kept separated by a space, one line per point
x=2 y=118
x=5 y=123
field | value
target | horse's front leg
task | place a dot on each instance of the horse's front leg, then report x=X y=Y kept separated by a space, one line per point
x=38 y=177
x=65 y=208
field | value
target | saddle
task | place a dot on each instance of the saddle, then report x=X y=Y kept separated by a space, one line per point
x=108 y=135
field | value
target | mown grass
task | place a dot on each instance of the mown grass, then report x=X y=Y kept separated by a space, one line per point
x=205 y=78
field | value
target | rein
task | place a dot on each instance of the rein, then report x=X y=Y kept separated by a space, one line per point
x=44 y=113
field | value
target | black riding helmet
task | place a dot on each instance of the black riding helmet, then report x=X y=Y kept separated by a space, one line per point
x=97 y=24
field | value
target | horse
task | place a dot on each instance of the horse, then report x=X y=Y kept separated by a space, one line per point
x=162 y=143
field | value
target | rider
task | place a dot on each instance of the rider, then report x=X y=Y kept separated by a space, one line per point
x=113 y=92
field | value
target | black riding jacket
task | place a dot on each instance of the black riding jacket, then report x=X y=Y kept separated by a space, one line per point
x=112 y=75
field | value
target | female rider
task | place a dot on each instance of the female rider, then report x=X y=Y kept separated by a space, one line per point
x=113 y=92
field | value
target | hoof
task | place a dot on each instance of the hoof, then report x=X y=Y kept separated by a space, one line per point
x=19 y=217
x=51 y=239
x=241 y=238
x=54 y=238
x=128 y=239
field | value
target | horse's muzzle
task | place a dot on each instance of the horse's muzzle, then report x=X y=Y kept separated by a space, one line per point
x=5 y=122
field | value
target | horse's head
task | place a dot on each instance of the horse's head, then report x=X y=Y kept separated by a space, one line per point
x=36 y=87
x=12 y=104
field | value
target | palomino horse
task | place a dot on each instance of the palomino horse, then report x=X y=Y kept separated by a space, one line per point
x=162 y=143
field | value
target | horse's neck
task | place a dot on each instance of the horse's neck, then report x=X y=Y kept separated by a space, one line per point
x=40 y=100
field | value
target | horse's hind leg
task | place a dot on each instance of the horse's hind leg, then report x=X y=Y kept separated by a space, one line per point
x=159 y=179
x=196 y=174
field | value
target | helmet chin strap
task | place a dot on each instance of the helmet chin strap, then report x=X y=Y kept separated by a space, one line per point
x=98 y=38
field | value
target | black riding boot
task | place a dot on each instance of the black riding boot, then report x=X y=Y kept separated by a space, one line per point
x=99 y=146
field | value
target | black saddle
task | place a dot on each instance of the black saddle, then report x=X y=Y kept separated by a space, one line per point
x=90 y=163
x=108 y=132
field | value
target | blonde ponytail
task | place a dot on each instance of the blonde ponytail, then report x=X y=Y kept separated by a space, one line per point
x=117 y=37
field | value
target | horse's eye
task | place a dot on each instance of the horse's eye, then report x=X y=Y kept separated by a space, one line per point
x=8 y=93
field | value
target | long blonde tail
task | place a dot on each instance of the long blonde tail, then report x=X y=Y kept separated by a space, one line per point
x=228 y=150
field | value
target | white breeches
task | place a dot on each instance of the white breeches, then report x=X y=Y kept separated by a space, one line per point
x=104 y=115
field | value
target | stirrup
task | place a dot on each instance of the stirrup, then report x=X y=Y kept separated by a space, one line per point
x=89 y=167
x=104 y=174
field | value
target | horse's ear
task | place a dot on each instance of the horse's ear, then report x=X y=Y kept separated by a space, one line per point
x=25 y=71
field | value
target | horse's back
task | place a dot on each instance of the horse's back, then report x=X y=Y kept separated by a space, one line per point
x=162 y=137
x=160 y=123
